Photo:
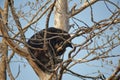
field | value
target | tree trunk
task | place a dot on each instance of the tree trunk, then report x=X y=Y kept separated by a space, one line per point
x=4 y=51
x=39 y=72
x=61 y=19
x=3 y=62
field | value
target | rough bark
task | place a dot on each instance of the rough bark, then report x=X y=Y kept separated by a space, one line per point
x=3 y=62
x=4 y=51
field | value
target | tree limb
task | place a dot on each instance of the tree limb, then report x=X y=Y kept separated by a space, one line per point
x=84 y=6
x=16 y=18
x=112 y=77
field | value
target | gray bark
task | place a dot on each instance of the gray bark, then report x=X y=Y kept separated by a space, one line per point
x=61 y=19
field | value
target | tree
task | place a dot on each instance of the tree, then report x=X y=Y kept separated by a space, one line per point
x=95 y=39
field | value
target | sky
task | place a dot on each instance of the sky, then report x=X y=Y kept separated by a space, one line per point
x=27 y=73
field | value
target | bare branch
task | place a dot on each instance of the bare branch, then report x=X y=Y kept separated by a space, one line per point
x=85 y=77
x=9 y=70
x=112 y=77
x=32 y=21
x=13 y=45
x=85 y=5
x=47 y=22
x=16 y=18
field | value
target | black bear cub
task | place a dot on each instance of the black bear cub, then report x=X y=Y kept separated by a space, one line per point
x=44 y=47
